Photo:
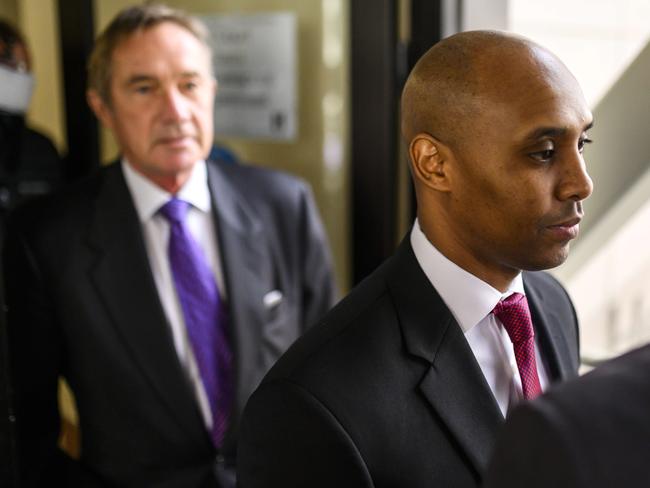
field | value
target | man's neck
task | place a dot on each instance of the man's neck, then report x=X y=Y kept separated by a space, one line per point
x=454 y=249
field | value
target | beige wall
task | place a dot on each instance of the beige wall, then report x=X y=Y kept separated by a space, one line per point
x=9 y=11
x=322 y=106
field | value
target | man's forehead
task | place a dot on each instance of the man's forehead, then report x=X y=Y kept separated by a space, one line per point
x=530 y=119
x=162 y=40
x=519 y=71
x=540 y=90
x=163 y=48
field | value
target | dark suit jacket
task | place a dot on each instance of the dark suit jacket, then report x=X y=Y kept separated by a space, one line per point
x=83 y=304
x=29 y=166
x=593 y=432
x=385 y=391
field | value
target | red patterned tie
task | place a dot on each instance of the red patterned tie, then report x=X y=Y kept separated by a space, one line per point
x=514 y=314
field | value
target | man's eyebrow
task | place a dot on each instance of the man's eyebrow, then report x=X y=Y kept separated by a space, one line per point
x=135 y=79
x=139 y=79
x=543 y=132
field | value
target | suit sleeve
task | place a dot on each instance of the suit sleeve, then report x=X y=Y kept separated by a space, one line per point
x=34 y=347
x=289 y=438
x=319 y=288
x=534 y=451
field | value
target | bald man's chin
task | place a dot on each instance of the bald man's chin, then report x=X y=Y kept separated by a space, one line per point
x=550 y=261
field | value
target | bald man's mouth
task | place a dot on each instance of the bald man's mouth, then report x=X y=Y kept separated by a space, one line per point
x=566 y=230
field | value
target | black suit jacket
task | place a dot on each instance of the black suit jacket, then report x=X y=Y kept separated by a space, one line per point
x=385 y=391
x=83 y=304
x=593 y=432
x=29 y=167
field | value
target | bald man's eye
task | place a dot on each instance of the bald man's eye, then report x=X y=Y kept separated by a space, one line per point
x=543 y=156
x=582 y=142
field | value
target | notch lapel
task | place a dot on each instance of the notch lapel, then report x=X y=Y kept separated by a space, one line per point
x=454 y=384
x=125 y=285
x=552 y=338
x=247 y=271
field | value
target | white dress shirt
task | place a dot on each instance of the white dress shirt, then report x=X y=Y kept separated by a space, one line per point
x=148 y=198
x=471 y=302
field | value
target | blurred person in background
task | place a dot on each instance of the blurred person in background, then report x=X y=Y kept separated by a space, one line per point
x=29 y=162
x=163 y=287
x=29 y=166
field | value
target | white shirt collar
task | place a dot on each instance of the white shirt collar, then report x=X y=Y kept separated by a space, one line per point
x=149 y=197
x=469 y=298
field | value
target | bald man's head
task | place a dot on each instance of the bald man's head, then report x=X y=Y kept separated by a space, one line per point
x=451 y=83
x=495 y=126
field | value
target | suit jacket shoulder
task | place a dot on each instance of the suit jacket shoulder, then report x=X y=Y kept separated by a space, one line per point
x=356 y=310
x=54 y=224
x=281 y=203
x=71 y=203
x=363 y=395
x=261 y=184
x=591 y=432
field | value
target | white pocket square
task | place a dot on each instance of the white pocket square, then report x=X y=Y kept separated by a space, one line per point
x=272 y=299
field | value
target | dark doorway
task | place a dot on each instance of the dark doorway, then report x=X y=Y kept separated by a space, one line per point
x=379 y=65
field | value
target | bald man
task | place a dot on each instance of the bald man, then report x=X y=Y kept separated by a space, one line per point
x=407 y=381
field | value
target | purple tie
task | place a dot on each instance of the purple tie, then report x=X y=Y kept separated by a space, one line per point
x=204 y=313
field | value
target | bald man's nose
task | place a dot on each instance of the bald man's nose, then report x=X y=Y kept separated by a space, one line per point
x=575 y=184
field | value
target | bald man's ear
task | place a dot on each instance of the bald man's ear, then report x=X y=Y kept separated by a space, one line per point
x=429 y=158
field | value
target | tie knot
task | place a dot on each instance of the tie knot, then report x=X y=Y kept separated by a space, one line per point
x=514 y=314
x=175 y=210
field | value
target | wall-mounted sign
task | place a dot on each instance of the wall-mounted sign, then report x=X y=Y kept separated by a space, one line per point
x=255 y=65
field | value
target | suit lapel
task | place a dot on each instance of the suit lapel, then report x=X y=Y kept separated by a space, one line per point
x=550 y=330
x=124 y=282
x=453 y=384
x=247 y=271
